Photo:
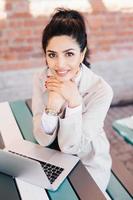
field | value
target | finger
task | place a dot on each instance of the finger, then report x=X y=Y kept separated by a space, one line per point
x=52 y=82
x=52 y=85
x=53 y=89
x=53 y=78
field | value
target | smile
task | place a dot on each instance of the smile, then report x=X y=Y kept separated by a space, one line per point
x=62 y=72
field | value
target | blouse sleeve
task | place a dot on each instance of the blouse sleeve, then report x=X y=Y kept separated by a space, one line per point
x=49 y=123
x=40 y=135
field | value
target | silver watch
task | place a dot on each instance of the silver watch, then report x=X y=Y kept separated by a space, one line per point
x=51 y=112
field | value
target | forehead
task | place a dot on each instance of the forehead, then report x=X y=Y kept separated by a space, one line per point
x=61 y=43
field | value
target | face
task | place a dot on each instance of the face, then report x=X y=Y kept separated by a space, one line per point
x=63 y=57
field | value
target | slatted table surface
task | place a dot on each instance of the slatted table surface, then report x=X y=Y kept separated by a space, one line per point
x=16 y=122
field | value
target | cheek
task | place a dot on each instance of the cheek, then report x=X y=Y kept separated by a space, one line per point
x=74 y=60
x=74 y=69
x=50 y=63
x=75 y=63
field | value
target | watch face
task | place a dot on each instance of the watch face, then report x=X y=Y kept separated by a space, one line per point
x=51 y=112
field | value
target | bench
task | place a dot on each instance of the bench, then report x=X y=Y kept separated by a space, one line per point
x=125 y=132
x=16 y=124
x=122 y=175
x=121 y=183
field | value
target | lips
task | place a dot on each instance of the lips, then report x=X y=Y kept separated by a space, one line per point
x=62 y=72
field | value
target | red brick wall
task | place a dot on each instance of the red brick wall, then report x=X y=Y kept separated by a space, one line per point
x=110 y=35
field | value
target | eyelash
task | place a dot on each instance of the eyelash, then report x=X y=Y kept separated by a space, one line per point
x=68 y=54
x=51 y=55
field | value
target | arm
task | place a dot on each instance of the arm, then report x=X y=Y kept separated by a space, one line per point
x=78 y=130
x=40 y=135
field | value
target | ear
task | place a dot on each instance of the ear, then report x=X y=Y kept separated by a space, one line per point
x=83 y=54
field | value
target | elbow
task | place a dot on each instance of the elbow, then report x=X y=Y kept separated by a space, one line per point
x=64 y=149
x=42 y=138
x=68 y=149
x=39 y=134
x=38 y=138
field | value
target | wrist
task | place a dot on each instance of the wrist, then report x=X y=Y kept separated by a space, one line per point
x=54 y=107
x=51 y=111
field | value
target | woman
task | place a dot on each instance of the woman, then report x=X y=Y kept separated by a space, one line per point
x=70 y=102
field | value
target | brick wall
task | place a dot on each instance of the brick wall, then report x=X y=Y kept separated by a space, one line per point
x=20 y=36
x=110 y=35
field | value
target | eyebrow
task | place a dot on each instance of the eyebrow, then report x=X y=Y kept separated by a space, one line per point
x=63 y=51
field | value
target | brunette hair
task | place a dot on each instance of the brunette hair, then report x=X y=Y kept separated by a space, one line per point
x=67 y=22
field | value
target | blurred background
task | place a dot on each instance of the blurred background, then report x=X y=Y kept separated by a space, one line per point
x=110 y=38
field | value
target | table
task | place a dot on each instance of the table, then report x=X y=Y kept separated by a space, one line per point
x=16 y=123
x=123 y=130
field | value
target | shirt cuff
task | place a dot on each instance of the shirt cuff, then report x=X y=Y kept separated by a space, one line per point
x=71 y=111
x=49 y=123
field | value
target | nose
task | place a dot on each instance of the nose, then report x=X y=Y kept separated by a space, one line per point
x=60 y=62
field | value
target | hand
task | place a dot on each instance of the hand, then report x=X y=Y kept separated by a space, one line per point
x=67 y=89
x=55 y=101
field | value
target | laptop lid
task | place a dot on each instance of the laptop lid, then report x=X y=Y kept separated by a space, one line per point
x=42 y=154
x=23 y=168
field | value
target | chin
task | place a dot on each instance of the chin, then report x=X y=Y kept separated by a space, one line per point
x=63 y=78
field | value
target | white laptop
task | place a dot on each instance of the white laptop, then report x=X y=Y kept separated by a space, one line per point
x=35 y=164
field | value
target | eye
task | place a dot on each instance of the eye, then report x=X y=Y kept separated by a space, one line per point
x=69 y=54
x=51 y=55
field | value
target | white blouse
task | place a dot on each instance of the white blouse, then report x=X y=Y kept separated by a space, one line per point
x=49 y=123
x=81 y=130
